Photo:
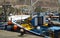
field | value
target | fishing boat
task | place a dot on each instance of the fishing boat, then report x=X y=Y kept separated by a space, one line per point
x=27 y=23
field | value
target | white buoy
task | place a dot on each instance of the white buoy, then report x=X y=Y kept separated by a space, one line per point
x=38 y=27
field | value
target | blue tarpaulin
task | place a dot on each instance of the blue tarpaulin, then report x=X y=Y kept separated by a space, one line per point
x=54 y=28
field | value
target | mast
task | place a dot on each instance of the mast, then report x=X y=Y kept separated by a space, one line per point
x=4 y=7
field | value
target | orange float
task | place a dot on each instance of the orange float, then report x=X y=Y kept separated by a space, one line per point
x=9 y=22
x=15 y=27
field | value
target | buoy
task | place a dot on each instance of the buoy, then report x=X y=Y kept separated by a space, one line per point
x=45 y=24
x=15 y=27
x=9 y=22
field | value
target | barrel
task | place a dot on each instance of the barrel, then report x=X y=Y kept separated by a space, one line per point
x=2 y=27
x=9 y=27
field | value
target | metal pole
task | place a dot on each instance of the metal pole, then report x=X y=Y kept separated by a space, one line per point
x=31 y=8
x=25 y=2
x=59 y=16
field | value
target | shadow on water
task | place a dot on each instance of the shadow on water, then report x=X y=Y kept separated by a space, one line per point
x=22 y=36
